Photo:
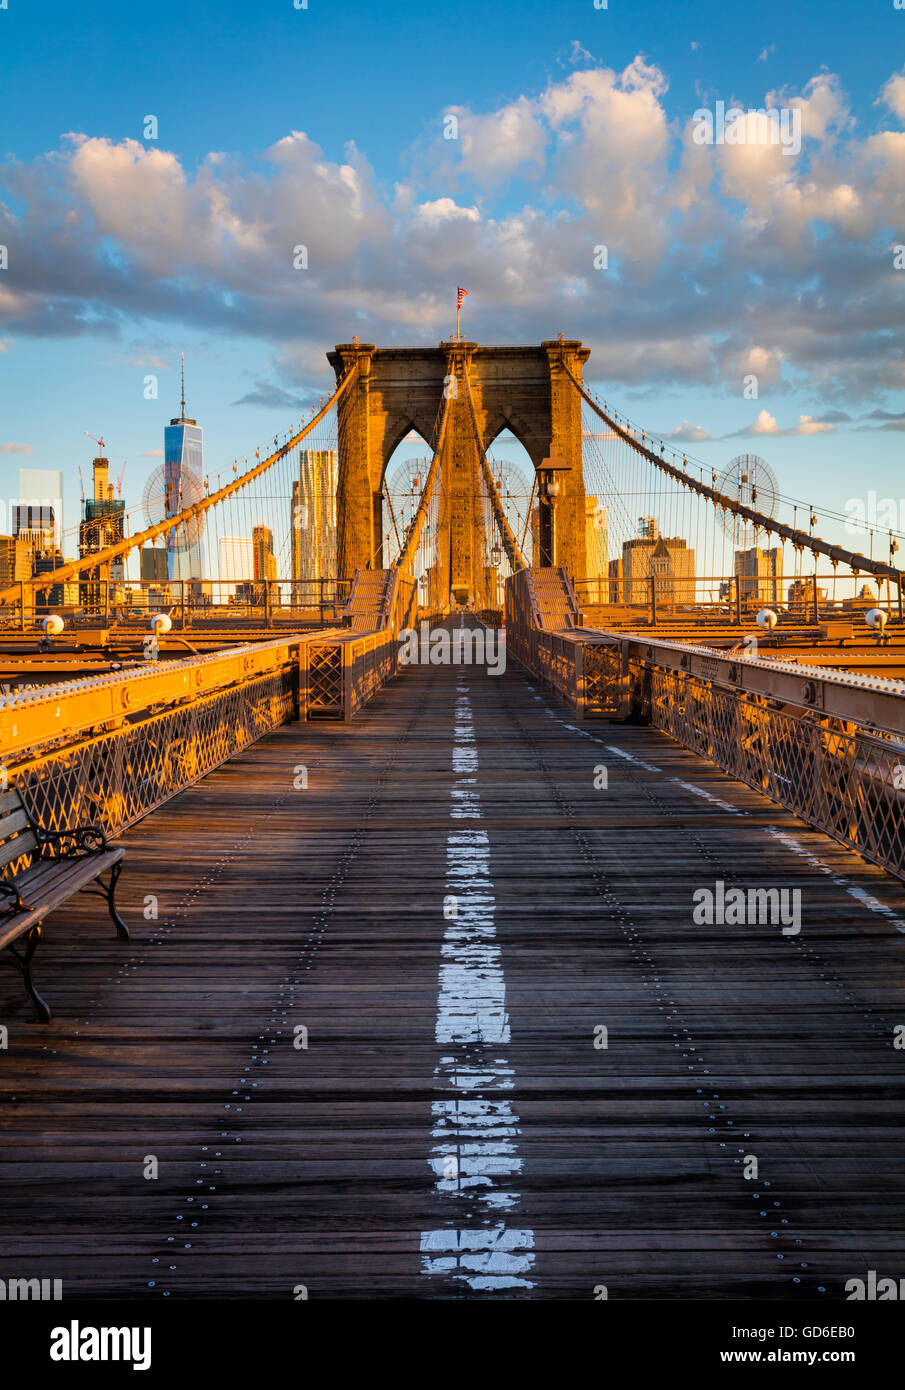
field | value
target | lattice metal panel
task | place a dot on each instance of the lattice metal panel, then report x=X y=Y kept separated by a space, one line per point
x=603 y=679
x=116 y=779
x=372 y=666
x=562 y=666
x=325 y=677
x=845 y=780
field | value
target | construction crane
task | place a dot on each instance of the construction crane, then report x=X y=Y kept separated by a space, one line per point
x=99 y=442
x=119 y=484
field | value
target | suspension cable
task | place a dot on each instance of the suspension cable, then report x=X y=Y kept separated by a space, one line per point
x=817 y=546
x=43 y=582
x=514 y=554
x=413 y=531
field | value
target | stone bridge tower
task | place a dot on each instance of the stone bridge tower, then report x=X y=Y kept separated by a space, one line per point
x=523 y=389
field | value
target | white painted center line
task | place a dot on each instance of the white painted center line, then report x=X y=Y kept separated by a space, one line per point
x=860 y=894
x=629 y=757
x=474 y=1157
x=708 y=796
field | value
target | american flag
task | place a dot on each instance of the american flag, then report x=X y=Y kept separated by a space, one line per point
x=462 y=294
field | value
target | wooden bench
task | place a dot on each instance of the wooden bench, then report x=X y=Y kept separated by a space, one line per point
x=61 y=863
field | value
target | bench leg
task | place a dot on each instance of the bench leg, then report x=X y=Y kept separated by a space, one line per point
x=122 y=930
x=42 y=1008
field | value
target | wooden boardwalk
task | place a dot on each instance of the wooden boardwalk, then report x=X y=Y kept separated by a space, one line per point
x=454 y=911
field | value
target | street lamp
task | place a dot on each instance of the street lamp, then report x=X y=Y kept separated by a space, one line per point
x=548 y=492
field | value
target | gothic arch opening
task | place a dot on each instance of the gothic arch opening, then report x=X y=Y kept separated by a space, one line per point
x=514 y=475
x=403 y=480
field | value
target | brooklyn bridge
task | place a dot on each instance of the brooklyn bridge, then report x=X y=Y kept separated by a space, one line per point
x=511 y=909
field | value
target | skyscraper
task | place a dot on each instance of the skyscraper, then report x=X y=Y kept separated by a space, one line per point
x=183 y=470
x=36 y=526
x=16 y=560
x=264 y=559
x=154 y=565
x=759 y=574
x=668 y=558
x=40 y=491
x=313 y=520
x=103 y=525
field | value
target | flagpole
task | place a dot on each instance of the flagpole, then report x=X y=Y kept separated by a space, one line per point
x=459 y=297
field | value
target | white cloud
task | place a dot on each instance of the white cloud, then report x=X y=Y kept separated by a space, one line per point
x=765 y=424
x=493 y=147
x=579 y=54
x=763 y=363
x=893 y=94
x=611 y=152
x=808 y=425
x=723 y=261
x=13 y=448
x=138 y=196
x=687 y=433
x=823 y=105
x=445 y=210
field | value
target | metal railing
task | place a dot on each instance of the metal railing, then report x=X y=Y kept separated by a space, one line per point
x=649 y=600
x=116 y=778
x=343 y=672
x=345 y=669
x=109 y=749
x=128 y=603
x=846 y=780
x=542 y=633
x=828 y=745
x=48 y=716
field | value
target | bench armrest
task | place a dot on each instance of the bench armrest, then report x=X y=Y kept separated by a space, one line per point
x=9 y=890
x=85 y=839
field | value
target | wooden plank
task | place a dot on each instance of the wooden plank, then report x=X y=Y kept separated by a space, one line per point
x=23 y=843
x=9 y=801
x=323 y=907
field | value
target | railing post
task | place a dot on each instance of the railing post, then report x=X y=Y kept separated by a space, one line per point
x=816 y=601
x=653 y=601
x=348 y=684
x=738 y=600
x=267 y=603
x=302 y=704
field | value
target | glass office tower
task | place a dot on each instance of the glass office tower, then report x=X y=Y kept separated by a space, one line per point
x=313 y=532
x=183 y=471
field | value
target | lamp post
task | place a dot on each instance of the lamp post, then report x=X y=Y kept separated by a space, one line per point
x=548 y=492
x=496 y=559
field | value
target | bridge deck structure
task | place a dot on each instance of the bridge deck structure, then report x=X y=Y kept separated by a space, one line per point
x=360 y=1049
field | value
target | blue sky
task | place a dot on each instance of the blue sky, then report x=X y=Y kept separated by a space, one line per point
x=574 y=131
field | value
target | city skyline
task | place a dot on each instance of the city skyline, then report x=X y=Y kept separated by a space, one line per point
x=452 y=725
x=723 y=263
